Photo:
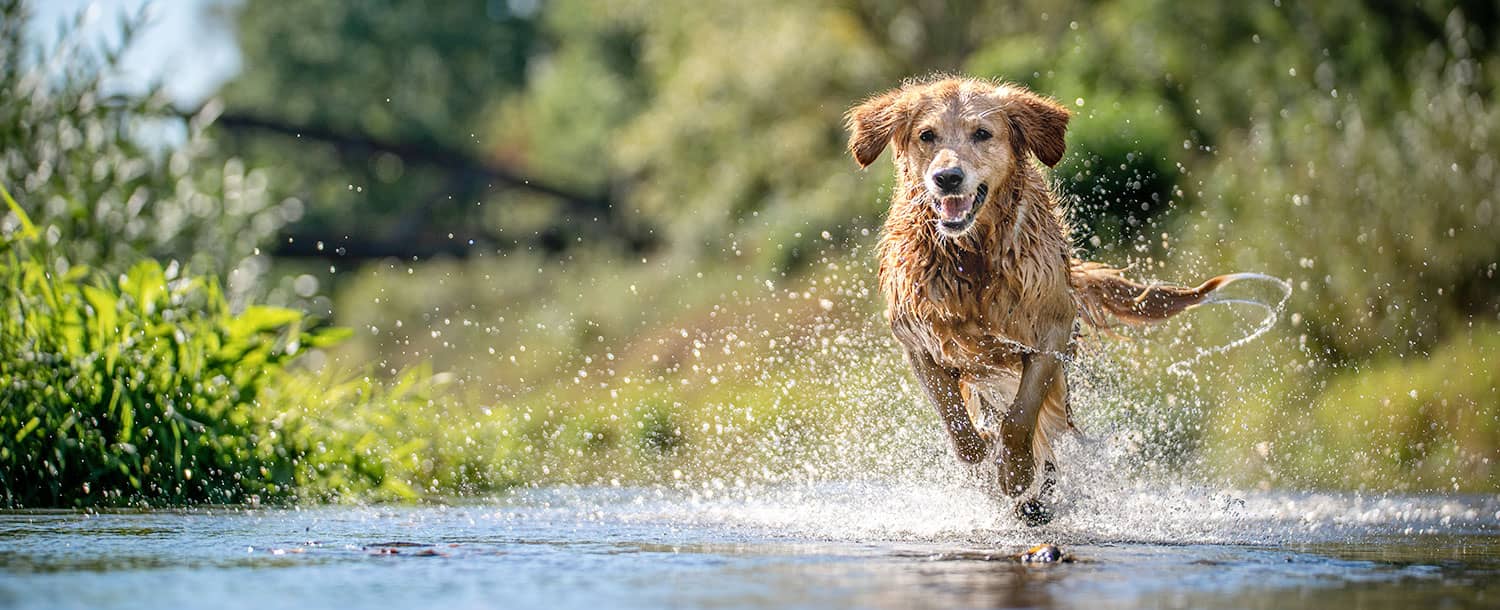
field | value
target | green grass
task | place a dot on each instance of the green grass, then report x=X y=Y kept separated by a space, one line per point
x=1409 y=424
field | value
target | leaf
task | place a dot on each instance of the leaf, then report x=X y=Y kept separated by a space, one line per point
x=127 y=420
x=104 y=305
x=146 y=283
x=28 y=230
x=326 y=336
x=399 y=488
x=75 y=273
x=261 y=318
x=26 y=429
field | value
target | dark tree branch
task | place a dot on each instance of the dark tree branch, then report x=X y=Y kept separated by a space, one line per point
x=460 y=164
x=415 y=153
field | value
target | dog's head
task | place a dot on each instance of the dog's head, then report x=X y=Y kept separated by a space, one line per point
x=962 y=139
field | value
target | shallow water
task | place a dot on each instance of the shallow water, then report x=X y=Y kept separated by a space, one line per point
x=869 y=545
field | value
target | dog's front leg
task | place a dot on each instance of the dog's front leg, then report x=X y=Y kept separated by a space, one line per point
x=1018 y=426
x=944 y=388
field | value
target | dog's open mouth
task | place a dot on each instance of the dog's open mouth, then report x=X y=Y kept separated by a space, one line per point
x=956 y=212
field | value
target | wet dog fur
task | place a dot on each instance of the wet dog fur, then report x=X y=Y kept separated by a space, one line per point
x=977 y=265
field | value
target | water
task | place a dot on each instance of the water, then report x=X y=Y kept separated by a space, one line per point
x=823 y=545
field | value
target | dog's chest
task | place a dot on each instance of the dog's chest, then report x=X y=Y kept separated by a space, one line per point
x=979 y=328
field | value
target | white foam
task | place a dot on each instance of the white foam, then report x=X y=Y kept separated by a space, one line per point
x=1132 y=512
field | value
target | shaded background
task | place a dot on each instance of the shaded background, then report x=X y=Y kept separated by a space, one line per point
x=629 y=224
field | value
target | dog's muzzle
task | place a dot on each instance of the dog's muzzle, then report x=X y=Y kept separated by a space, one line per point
x=956 y=212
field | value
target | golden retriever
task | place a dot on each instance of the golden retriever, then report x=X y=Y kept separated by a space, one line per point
x=977 y=265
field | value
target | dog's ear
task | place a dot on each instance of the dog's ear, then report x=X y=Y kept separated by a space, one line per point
x=1037 y=123
x=873 y=123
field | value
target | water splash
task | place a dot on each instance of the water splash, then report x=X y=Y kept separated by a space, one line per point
x=1128 y=512
x=1218 y=296
x=878 y=467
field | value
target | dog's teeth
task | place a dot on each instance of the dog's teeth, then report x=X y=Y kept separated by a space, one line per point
x=954 y=208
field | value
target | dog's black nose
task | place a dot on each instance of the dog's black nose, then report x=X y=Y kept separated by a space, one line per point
x=948 y=179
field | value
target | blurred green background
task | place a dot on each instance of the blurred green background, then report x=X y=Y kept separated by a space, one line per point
x=621 y=242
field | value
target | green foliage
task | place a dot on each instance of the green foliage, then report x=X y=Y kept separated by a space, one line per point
x=123 y=381
x=405 y=438
x=1415 y=424
x=1121 y=177
x=522 y=322
x=126 y=381
x=71 y=146
x=658 y=431
x=417 y=73
x=404 y=70
x=148 y=389
x=1384 y=223
x=138 y=389
x=767 y=161
x=1405 y=424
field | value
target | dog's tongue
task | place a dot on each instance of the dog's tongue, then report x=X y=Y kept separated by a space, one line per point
x=954 y=208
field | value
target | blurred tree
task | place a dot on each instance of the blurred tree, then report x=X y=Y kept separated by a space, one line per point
x=71 y=155
x=720 y=124
x=388 y=99
x=739 y=151
x=1159 y=85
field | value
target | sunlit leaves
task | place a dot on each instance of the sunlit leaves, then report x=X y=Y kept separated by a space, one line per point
x=138 y=389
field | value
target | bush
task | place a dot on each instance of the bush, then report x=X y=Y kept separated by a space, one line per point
x=128 y=381
x=1408 y=424
x=147 y=389
x=367 y=439
x=142 y=388
x=1384 y=223
x=1427 y=424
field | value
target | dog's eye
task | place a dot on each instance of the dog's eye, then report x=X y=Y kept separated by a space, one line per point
x=927 y=135
x=982 y=134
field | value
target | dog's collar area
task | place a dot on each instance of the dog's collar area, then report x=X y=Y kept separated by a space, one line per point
x=980 y=196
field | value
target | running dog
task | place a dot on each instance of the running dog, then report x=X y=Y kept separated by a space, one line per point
x=982 y=288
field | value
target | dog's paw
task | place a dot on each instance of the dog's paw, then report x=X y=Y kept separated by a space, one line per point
x=1017 y=464
x=1033 y=512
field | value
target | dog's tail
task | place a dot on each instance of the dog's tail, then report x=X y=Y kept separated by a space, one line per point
x=1105 y=294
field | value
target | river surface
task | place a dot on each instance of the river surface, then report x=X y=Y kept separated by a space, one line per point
x=845 y=545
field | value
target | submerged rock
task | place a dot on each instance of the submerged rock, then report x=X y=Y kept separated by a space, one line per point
x=1045 y=553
